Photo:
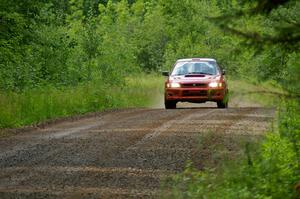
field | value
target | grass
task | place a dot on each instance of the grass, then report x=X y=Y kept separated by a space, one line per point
x=266 y=94
x=41 y=104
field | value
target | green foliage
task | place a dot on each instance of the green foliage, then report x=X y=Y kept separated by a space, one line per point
x=268 y=37
x=70 y=42
x=198 y=37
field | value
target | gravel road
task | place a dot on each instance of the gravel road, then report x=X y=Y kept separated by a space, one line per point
x=123 y=153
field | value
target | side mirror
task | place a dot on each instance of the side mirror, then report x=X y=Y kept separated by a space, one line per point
x=223 y=72
x=165 y=73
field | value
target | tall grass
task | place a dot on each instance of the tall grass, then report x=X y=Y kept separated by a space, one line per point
x=40 y=104
x=266 y=94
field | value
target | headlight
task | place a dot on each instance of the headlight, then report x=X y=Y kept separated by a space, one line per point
x=173 y=85
x=215 y=84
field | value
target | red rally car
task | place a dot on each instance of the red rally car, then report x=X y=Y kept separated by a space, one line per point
x=196 y=80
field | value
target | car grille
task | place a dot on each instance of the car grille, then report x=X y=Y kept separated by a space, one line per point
x=194 y=93
x=196 y=85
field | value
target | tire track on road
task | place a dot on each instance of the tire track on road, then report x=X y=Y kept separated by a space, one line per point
x=165 y=127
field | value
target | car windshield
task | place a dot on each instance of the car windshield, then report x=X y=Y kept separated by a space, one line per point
x=185 y=68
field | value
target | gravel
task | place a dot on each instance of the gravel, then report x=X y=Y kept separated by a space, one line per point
x=123 y=153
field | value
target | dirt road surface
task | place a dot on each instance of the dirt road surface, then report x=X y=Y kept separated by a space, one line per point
x=122 y=153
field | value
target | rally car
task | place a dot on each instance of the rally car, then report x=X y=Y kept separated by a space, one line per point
x=196 y=80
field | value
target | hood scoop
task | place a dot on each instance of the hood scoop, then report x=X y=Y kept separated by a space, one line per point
x=194 y=75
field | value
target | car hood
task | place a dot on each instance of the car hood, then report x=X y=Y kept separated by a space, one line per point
x=195 y=78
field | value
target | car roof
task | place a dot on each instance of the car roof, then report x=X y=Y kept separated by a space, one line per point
x=196 y=59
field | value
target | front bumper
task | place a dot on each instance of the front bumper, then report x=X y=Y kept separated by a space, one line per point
x=195 y=94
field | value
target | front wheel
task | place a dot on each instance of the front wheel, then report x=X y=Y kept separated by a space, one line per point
x=222 y=104
x=170 y=104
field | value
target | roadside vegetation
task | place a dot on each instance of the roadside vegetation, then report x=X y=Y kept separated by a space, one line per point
x=41 y=104
x=254 y=94
x=64 y=57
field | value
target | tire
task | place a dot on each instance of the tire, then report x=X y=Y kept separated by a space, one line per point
x=170 y=104
x=222 y=104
